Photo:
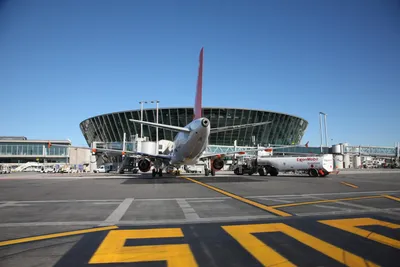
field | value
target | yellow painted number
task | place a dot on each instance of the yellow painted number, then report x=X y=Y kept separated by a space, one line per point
x=350 y=225
x=113 y=250
x=268 y=257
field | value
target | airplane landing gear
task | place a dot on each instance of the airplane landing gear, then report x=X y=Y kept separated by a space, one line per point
x=207 y=172
x=155 y=172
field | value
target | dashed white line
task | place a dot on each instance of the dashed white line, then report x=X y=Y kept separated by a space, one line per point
x=206 y=200
x=188 y=211
x=118 y=213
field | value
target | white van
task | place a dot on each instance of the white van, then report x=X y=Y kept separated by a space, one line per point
x=103 y=169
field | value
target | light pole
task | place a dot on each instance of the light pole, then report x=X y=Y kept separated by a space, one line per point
x=141 y=117
x=326 y=132
x=326 y=128
x=156 y=101
x=320 y=129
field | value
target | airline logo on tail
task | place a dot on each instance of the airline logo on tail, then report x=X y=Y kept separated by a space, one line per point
x=199 y=90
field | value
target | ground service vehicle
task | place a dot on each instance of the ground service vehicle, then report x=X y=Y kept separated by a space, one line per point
x=313 y=165
x=104 y=168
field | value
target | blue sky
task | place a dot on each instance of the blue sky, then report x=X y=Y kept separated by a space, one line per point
x=64 y=61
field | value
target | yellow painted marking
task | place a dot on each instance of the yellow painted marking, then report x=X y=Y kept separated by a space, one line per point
x=349 y=184
x=323 y=201
x=242 y=199
x=350 y=225
x=113 y=249
x=50 y=236
x=268 y=257
x=392 y=198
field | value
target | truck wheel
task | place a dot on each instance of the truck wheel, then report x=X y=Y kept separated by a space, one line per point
x=236 y=171
x=212 y=172
x=313 y=172
x=273 y=171
x=261 y=172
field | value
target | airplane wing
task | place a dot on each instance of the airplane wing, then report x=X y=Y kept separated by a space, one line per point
x=235 y=127
x=163 y=126
x=211 y=155
x=160 y=156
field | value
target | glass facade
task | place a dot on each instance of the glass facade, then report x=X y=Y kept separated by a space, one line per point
x=25 y=151
x=21 y=149
x=284 y=129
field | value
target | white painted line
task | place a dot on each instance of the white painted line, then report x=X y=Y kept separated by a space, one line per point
x=200 y=199
x=68 y=201
x=328 y=194
x=7 y=204
x=358 y=206
x=188 y=211
x=349 y=204
x=206 y=200
x=30 y=224
x=13 y=204
x=314 y=205
x=118 y=213
x=106 y=203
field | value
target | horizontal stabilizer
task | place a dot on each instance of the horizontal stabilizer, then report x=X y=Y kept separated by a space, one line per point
x=235 y=127
x=163 y=126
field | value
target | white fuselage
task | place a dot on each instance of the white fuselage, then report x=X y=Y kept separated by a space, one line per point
x=188 y=147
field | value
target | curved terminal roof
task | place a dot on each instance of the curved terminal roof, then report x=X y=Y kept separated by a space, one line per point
x=284 y=129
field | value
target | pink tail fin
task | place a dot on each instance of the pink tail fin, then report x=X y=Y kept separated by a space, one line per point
x=199 y=90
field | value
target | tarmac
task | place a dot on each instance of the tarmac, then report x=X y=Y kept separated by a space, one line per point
x=348 y=219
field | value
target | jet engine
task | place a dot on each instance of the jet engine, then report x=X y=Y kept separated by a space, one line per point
x=144 y=165
x=218 y=164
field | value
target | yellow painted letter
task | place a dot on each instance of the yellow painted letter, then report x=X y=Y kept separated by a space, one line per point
x=268 y=257
x=112 y=249
x=350 y=225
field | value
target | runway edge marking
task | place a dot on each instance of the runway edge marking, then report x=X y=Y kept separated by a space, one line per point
x=56 y=235
x=242 y=199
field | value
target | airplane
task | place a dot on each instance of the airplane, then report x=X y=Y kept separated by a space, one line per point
x=191 y=141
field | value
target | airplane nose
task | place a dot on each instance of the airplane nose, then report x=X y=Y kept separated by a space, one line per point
x=205 y=122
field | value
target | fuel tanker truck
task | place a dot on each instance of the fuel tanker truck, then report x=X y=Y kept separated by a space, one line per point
x=312 y=165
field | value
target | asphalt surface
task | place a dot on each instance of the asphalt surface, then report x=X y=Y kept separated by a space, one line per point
x=135 y=220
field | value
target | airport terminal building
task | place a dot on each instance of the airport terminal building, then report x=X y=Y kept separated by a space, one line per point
x=284 y=129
